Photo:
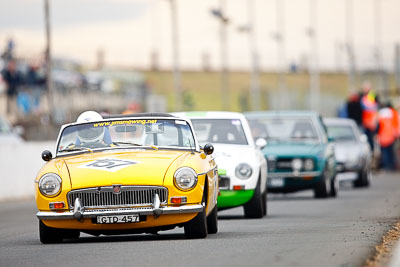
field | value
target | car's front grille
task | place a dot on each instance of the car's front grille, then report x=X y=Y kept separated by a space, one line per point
x=271 y=161
x=284 y=164
x=224 y=183
x=103 y=197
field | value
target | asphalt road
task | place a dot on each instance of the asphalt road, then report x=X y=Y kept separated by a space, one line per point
x=299 y=231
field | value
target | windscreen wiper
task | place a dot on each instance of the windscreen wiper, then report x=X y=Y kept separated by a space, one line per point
x=133 y=144
x=72 y=149
x=126 y=143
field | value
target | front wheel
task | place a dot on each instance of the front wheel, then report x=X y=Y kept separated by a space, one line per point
x=334 y=187
x=265 y=205
x=212 y=221
x=254 y=208
x=49 y=235
x=323 y=187
x=197 y=227
x=364 y=179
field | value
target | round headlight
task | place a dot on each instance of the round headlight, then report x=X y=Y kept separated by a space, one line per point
x=185 y=178
x=297 y=164
x=243 y=171
x=309 y=164
x=50 y=184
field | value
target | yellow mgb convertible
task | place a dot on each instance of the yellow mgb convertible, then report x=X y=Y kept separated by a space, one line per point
x=126 y=174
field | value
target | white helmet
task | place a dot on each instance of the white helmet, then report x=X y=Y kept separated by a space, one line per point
x=88 y=116
x=87 y=133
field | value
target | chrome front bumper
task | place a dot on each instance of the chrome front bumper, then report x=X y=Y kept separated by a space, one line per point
x=53 y=215
x=80 y=212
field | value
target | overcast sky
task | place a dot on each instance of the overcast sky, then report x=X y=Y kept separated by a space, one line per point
x=128 y=30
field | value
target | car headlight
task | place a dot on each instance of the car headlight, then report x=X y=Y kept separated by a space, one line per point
x=243 y=171
x=185 y=178
x=297 y=164
x=309 y=164
x=50 y=184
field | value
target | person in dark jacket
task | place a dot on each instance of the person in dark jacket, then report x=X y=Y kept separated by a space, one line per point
x=13 y=80
x=354 y=109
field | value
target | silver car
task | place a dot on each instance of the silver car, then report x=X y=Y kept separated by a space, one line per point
x=352 y=152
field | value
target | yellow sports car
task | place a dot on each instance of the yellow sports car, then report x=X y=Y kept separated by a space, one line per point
x=127 y=174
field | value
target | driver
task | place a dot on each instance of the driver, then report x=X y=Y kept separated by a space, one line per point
x=88 y=134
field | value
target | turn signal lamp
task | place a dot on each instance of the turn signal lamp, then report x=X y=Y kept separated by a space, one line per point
x=178 y=200
x=56 y=205
x=238 y=187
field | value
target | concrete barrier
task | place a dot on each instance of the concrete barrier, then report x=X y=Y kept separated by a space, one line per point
x=19 y=165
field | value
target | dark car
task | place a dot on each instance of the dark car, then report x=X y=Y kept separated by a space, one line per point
x=298 y=152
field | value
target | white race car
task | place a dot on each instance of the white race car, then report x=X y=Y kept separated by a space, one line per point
x=242 y=168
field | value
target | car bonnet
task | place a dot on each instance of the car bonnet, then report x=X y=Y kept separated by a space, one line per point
x=292 y=149
x=229 y=156
x=135 y=167
x=344 y=150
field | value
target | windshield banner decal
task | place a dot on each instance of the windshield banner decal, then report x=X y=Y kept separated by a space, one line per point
x=111 y=123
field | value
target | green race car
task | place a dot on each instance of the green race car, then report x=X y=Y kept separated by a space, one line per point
x=298 y=151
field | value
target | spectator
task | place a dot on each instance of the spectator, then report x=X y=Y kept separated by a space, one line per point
x=369 y=116
x=35 y=85
x=13 y=80
x=354 y=110
x=387 y=135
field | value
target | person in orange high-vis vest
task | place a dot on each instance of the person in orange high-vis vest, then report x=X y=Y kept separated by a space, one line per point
x=387 y=134
x=396 y=121
x=369 y=116
x=396 y=146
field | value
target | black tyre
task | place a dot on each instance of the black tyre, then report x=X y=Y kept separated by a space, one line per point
x=212 y=221
x=334 y=187
x=265 y=204
x=323 y=187
x=197 y=227
x=364 y=179
x=255 y=207
x=49 y=235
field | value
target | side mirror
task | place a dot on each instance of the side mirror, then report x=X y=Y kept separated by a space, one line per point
x=261 y=143
x=46 y=155
x=364 y=138
x=208 y=149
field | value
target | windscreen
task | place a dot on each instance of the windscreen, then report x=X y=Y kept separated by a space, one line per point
x=341 y=133
x=126 y=133
x=224 y=131
x=284 y=128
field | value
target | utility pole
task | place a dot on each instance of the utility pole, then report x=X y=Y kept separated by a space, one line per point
x=351 y=72
x=255 y=69
x=397 y=67
x=49 y=84
x=280 y=40
x=314 y=64
x=378 y=47
x=175 y=57
x=224 y=57
x=220 y=14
